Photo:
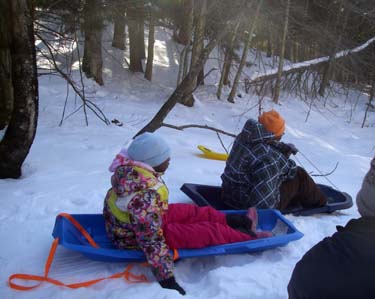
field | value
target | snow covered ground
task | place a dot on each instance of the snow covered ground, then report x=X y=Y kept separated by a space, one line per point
x=67 y=171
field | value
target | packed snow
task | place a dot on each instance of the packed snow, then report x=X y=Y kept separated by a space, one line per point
x=67 y=171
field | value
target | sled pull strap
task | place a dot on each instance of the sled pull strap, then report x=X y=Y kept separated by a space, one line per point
x=36 y=277
x=127 y=274
x=176 y=255
x=80 y=228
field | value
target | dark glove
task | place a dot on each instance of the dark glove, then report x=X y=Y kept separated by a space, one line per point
x=292 y=148
x=285 y=148
x=171 y=284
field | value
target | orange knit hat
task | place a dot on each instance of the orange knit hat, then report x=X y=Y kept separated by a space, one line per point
x=273 y=122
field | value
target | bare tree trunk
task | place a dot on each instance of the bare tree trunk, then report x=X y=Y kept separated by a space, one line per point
x=6 y=88
x=328 y=71
x=141 y=37
x=296 y=51
x=185 y=39
x=184 y=34
x=244 y=53
x=269 y=42
x=119 y=33
x=176 y=96
x=92 y=62
x=199 y=16
x=200 y=46
x=200 y=78
x=327 y=74
x=20 y=133
x=290 y=46
x=370 y=98
x=185 y=61
x=228 y=57
x=182 y=68
x=135 y=26
x=282 y=52
x=150 y=50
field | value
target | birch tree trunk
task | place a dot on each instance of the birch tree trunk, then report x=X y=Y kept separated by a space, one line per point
x=92 y=62
x=244 y=53
x=182 y=69
x=185 y=61
x=20 y=133
x=276 y=93
x=150 y=50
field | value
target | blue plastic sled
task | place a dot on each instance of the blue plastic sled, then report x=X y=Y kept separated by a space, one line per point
x=204 y=195
x=71 y=238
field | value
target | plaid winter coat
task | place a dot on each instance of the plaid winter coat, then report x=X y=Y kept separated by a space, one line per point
x=133 y=211
x=255 y=169
x=137 y=216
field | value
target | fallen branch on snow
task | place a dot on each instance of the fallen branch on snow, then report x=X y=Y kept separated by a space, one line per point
x=304 y=65
x=198 y=126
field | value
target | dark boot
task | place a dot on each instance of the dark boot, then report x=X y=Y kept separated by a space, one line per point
x=301 y=191
x=241 y=223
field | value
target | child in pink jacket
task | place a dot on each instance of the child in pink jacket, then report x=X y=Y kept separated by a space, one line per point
x=137 y=214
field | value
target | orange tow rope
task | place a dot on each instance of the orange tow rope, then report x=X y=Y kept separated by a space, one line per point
x=128 y=276
x=80 y=228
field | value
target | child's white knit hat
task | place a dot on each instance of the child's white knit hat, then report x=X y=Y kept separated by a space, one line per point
x=149 y=148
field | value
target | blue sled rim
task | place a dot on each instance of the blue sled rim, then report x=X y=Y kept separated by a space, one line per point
x=71 y=238
x=205 y=195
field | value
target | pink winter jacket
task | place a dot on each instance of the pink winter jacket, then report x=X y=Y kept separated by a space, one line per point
x=146 y=221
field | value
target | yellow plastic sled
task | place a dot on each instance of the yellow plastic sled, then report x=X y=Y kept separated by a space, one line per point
x=210 y=154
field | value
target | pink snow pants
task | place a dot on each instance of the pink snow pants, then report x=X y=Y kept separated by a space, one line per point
x=190 y=226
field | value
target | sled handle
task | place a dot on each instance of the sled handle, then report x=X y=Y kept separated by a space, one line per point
x=127 y=274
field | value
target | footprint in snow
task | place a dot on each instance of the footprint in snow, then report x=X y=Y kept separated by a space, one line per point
x=80 y=201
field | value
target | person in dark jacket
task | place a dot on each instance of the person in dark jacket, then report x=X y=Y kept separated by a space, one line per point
x=259 y=172
x=343 y=265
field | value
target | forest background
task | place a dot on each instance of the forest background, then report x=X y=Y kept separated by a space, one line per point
x=312 y=44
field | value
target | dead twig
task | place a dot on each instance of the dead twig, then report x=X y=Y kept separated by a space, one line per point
x=181 y=128
x=221 y=142
x=317 y=169
x=81 y=78
x=328 y=173
x=86 y=103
